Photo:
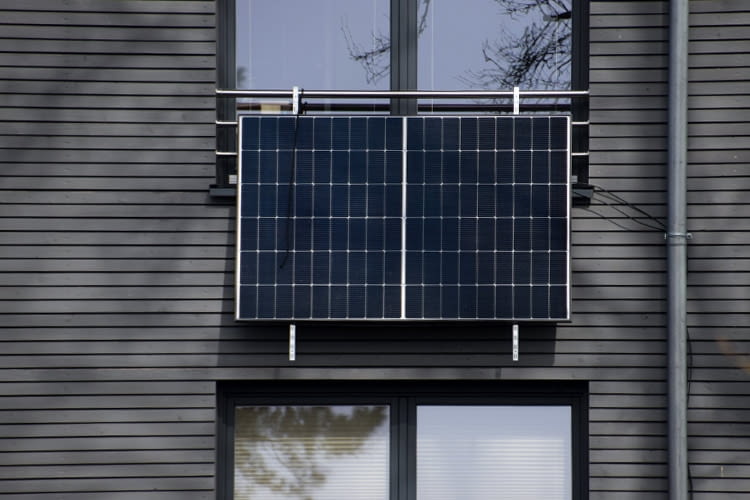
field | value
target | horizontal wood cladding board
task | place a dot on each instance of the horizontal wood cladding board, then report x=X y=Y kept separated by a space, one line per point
x=384 y=344
x=109 y=155
x=188 y=388
x=154 y=210
x=166 y=33
x=604 y=8
x=286 y=371
x=117 y=495
x=63 y=116
x=110 y=130
x=660 y=102
x=106 y=429
x=64 y=90
x=660 y=47
x=19 y=74
x=112 y=184
x=100 y=18
x=168 y=458
x=132 y=485
x=107 y=61
x=115 y=252
x=101 y=143
x=133 y=172
x=42 y=46
x=105 y=470
x=246 y=333
x=358 y=359
x=138 y=6
x=55 y=101
x=111 y=401
x=141 y=416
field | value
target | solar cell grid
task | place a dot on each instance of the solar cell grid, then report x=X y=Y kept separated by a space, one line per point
x=403 y=218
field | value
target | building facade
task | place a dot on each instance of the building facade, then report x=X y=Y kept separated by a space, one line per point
x=121 y=361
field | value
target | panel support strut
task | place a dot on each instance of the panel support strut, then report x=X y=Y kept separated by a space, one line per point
x=515 y=342
x=292 y=342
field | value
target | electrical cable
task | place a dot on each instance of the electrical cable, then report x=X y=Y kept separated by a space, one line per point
x=588 y=209
x=290 y=199
x=609 y=195
x=637 y=220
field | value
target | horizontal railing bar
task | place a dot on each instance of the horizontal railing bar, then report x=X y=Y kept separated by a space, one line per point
x=393 y=94
x=339 y=107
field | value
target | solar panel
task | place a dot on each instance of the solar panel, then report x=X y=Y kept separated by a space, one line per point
x=403 y=218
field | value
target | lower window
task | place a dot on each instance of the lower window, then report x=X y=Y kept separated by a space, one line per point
x=402 y=442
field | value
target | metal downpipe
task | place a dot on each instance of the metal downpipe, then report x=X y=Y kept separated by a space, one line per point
x=677 y=251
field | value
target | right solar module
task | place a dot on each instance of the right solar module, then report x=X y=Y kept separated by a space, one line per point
x=487 y=218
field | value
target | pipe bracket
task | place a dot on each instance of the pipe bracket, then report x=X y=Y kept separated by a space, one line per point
x=686 y=236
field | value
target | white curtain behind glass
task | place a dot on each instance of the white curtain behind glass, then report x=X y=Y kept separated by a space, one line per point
x=494 y=453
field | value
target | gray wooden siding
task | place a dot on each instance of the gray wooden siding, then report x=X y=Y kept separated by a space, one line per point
x=116 y=269
x=108 y=248
x=719 y=208
x=619 y=264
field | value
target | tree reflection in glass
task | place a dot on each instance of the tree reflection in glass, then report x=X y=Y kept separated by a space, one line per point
x=311 y=452
x=484 y=44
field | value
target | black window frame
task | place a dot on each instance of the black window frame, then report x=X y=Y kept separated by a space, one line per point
x=403 y=397
x=403 y=76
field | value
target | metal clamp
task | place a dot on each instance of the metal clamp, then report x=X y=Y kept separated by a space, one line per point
x=296 y=100
x=687 y=236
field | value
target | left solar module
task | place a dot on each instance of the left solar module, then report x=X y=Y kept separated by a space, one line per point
x=320 y=225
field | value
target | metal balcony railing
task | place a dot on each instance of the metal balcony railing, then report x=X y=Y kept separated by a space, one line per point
x=299 y=101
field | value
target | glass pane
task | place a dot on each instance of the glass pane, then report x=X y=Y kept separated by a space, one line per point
x=321 y=44
x=494 y=44
x=311 y=452
x=494 y=452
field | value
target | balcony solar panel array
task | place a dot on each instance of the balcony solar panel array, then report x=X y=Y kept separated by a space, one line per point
x=416 y=218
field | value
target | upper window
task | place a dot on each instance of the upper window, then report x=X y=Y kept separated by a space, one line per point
x=311 y=43
x=401 y=443
x=406 y=44
x=494 y=44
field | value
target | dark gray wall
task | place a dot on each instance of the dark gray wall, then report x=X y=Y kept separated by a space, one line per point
x=719 y=265
x=112 y=263
x=116 y=268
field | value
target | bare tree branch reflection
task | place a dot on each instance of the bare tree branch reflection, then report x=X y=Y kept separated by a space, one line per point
x=286 y=448
x=539 y=57
x=535 y=57
x=376 y=60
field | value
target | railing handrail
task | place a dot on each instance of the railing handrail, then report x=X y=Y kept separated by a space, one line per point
x=395 y=94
